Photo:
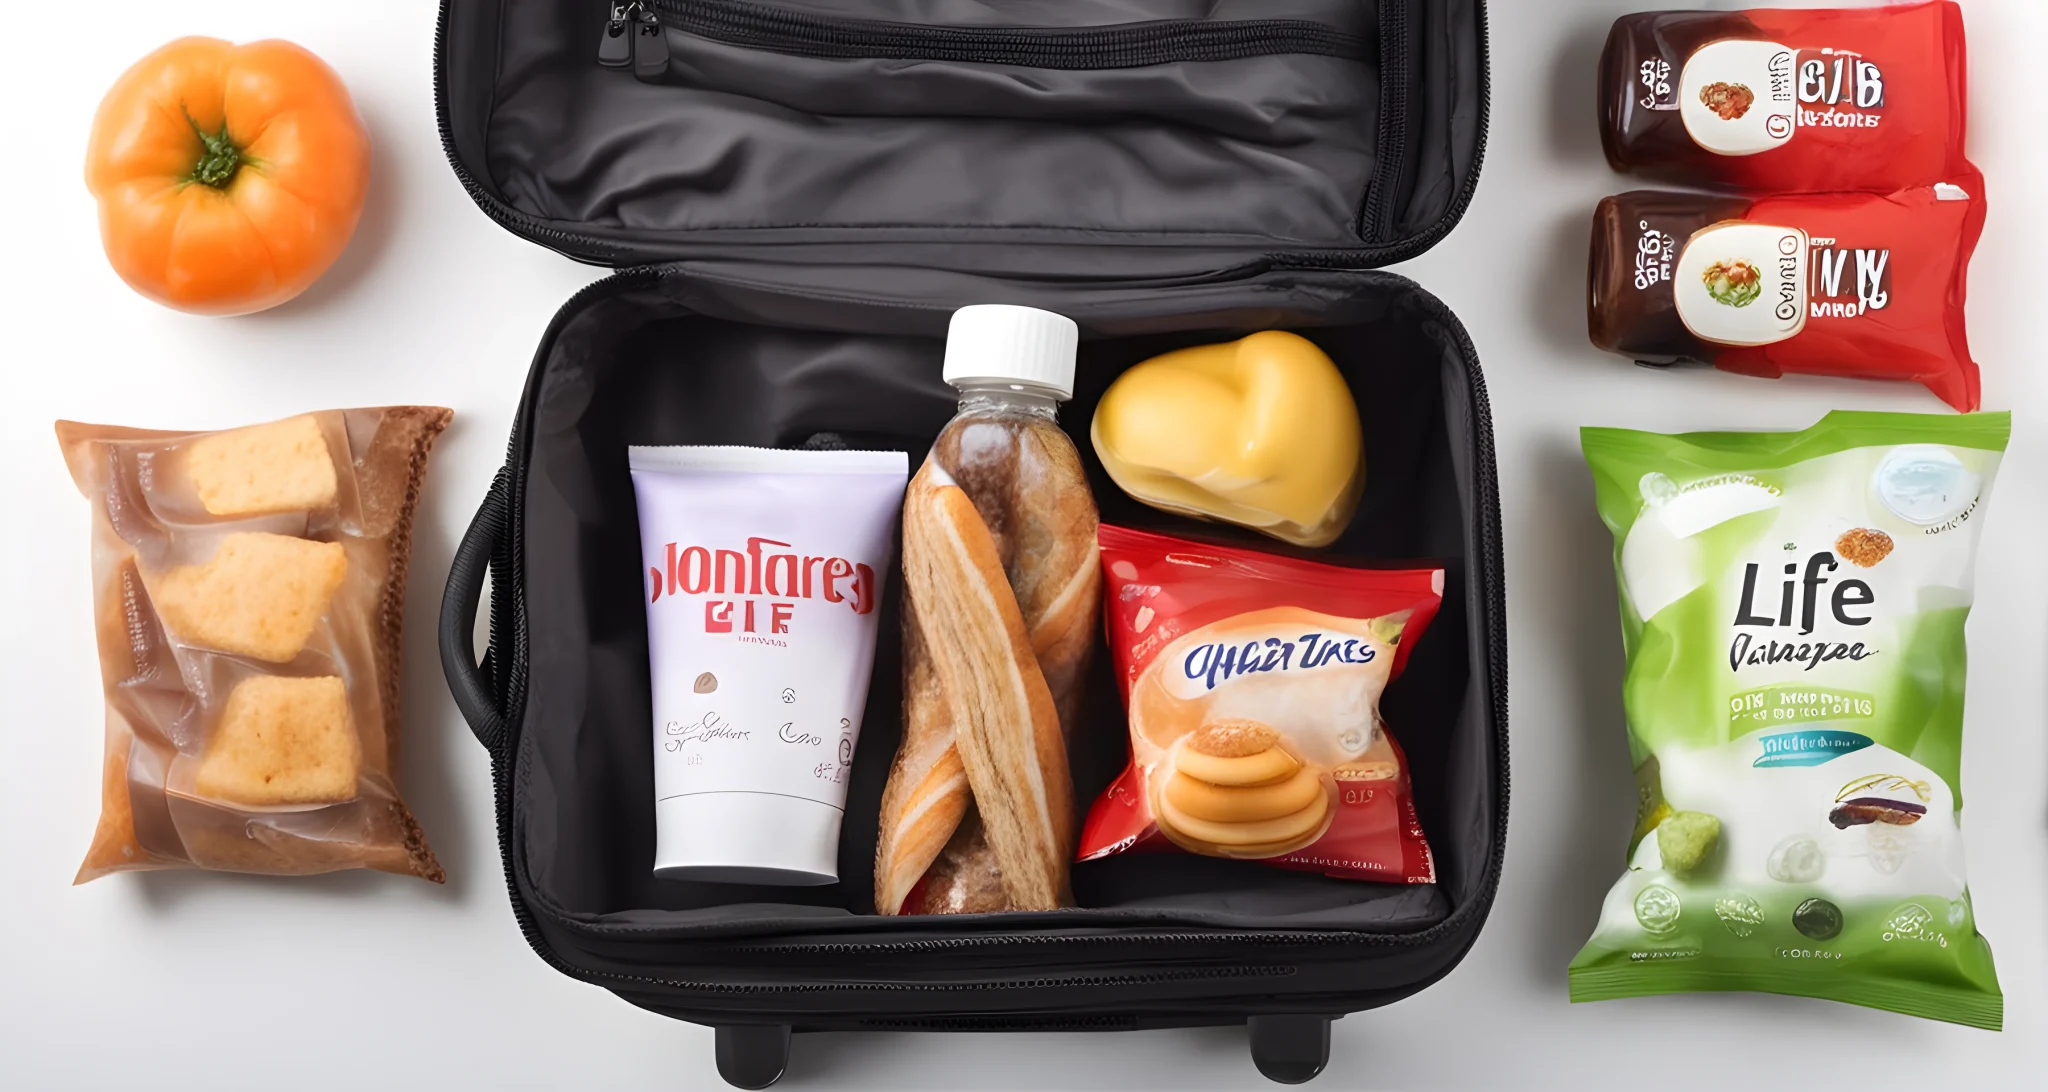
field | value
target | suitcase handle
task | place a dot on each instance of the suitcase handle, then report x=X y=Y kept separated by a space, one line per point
x=468 y=680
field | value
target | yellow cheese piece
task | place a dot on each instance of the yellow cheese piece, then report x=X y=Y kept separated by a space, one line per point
x=1260 y=432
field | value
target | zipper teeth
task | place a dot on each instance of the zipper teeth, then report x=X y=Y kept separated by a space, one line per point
x=1131 y=46
x=1491 y=551
x=1393 y=136
x=1368 y=257
x=1263 y=937
x=1450 y=220
x=1033 y=1022
x=1443 y=227
x=1049 y=982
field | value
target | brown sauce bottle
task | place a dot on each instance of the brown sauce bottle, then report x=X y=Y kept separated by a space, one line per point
x=1640 y=127
x=1631 y=305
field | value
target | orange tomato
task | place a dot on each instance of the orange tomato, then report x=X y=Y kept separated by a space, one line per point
x=229 y=177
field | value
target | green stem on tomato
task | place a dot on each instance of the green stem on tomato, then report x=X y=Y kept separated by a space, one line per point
x=220 y=160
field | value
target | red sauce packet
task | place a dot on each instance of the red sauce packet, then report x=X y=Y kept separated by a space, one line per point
x=1857 y=285
x=1252 y=684
x=1779 y=100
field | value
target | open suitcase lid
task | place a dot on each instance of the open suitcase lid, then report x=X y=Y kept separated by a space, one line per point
x=1104 y=141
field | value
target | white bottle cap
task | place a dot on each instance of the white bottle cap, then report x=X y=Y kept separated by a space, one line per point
x=998 y=343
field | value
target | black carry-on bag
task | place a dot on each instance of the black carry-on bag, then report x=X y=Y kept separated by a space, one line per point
x=796 y=195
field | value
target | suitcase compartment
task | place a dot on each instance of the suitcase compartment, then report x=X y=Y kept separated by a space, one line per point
x=678 y=355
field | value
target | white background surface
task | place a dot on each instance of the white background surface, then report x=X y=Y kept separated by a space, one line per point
x=361 y=980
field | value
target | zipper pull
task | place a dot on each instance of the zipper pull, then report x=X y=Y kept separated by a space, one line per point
x=615 y=49
x=650 y=45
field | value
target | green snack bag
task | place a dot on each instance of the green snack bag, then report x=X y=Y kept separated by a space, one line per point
x=1792 y=608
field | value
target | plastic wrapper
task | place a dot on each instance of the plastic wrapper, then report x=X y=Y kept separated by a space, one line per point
x=1792 y=608
x=1853 y=285
x=1788 y=100
x=1253 y=684
x=249 y=592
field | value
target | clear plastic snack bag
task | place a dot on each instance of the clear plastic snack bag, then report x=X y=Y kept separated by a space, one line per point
x=1792 y=607
x=249 y=590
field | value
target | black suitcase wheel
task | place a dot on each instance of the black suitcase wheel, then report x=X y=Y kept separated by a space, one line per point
x=752 y=1055
x=1290 y=1049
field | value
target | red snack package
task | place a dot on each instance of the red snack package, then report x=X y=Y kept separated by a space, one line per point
x=1826 y=284
x=1253 y=683
x=1778 y=100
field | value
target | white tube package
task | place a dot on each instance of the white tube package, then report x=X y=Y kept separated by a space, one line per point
x=762 y=571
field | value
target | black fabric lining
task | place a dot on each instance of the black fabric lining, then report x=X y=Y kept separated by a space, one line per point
x=548 y=145
x=564 y=138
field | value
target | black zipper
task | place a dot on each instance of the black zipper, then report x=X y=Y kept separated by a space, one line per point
x=615 y=45
x=650 y=44
x=1266 y=938
x=1393 y=135
x=1048 y=982
x=804 y=34
x=1493 y=557
x=1373 y=257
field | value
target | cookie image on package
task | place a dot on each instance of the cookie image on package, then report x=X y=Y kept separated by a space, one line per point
x=1231 y=789
x=1863 y=546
